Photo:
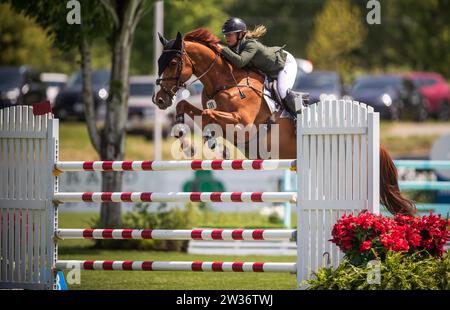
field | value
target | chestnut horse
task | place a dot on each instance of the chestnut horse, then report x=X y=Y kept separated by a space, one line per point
x=239 y=101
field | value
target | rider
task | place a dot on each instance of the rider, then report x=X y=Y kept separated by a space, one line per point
x=245 y=50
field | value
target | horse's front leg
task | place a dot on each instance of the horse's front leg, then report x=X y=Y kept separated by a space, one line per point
x=185 y=108
x=222 y=119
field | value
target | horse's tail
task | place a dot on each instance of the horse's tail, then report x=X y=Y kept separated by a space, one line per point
x=390 y=195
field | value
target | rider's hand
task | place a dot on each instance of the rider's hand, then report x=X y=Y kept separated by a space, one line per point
x=219 y=48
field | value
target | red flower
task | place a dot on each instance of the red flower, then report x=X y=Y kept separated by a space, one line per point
x=356 y=235
x=365 y=246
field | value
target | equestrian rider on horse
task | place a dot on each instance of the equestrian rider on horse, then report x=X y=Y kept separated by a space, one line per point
x=244 y=50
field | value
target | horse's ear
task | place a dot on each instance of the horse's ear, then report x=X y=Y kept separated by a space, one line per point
x=162 y=39
x=178 y=42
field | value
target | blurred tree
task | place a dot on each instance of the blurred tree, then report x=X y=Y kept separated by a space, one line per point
x=337 y=38
x=422 y=33
x=179 y=15
x=116 y=20
x=412 y=35
x=288 y=22
x=24 y=42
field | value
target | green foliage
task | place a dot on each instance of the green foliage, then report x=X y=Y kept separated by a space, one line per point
x=413 y=34
x=398 y=272
x=424 y=30
x=179 y=15
x=274 y=218
x=24 y=42
x=287 y=22
x=36 y=33
x=338 y=35
x=51 y=15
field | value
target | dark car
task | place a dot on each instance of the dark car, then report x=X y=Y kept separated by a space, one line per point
x=69 y=101
x=393 y=96
x=320 y=85
x=435 y=88
x=20 y=85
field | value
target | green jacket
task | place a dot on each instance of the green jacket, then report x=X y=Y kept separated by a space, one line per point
x=254 y=54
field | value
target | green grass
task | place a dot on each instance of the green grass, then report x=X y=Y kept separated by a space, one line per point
x=74 y=144
x=410 y=145
x=169 y=280
x=166 y=280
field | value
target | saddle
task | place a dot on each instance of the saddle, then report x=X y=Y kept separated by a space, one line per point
x=273 y=88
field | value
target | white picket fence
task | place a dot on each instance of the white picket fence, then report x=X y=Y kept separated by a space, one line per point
x=338 y=173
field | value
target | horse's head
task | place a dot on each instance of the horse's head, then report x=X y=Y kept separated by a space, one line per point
x=173 y=70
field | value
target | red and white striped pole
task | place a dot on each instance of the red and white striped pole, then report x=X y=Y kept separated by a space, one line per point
x=176 y=266
x=270 y=164
x=194 y=234
x=176 y=197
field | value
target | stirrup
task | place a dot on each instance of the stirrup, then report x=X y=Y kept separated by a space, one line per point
x=295 y=102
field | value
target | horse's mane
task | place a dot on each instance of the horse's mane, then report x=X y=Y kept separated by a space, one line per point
x=203 y=36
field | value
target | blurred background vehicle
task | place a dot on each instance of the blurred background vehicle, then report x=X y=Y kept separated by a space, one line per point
x=320 y=85
x=20 y=85
x=393 y=95
x=54 y=82
x=141 y=109
x=436 y=90
x=69 y=101
x=305 y=66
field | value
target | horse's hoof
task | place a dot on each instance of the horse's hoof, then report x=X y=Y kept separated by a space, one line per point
x=179 y=131
x=212 y=143
x=190 y=151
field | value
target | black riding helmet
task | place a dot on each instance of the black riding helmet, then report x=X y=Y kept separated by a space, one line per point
x=234 y=24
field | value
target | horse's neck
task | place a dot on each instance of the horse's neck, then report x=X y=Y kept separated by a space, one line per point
x=203 y=57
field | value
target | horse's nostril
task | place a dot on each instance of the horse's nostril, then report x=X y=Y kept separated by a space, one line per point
x=160 y=101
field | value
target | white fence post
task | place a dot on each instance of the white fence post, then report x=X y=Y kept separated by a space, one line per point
x=374 y=163
x=337 y=174
x=28 y=216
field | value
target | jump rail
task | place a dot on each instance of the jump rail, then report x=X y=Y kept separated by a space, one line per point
x=195 y=234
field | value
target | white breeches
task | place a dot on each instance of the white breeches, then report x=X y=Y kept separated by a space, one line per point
x=286 y=77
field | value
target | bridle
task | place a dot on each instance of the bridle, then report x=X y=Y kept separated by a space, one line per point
x=182 y=84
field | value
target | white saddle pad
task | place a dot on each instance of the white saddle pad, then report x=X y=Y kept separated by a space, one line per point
x=272 y=104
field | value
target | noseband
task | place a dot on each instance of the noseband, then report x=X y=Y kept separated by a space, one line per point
x=180 y=84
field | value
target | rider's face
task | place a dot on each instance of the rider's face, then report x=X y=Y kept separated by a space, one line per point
x=231 y=38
